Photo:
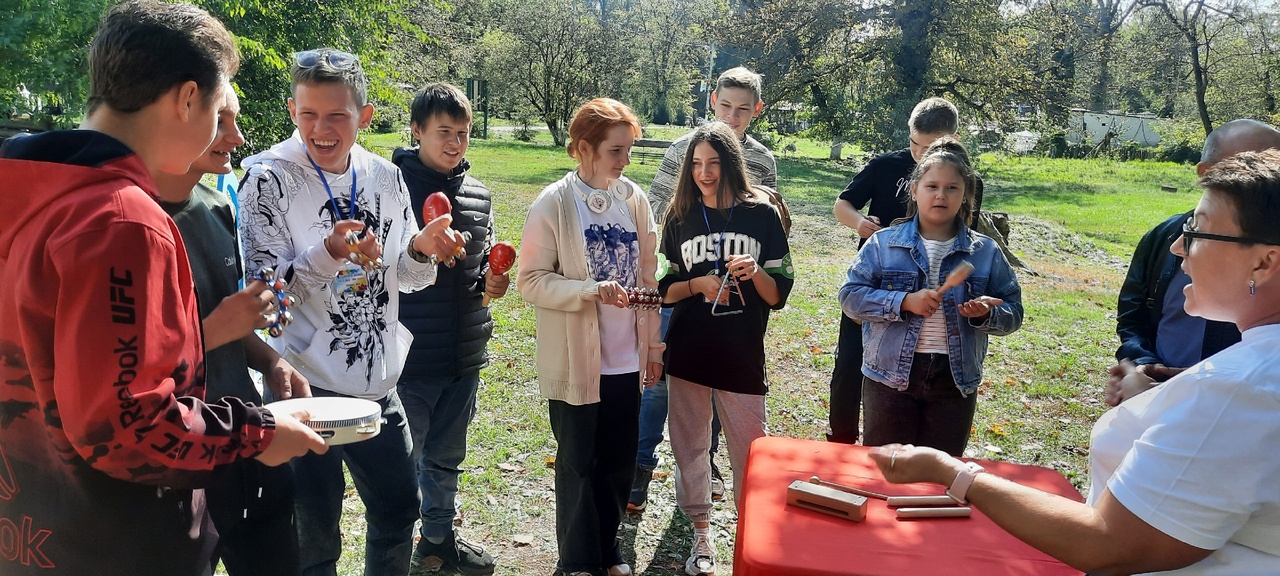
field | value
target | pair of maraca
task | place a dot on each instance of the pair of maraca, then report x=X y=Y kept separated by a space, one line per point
x=502 y=256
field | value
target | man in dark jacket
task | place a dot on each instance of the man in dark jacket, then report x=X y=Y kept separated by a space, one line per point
x=1158 y=339
x=451 y=325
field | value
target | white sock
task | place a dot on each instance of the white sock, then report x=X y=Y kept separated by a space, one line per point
x=435 y=539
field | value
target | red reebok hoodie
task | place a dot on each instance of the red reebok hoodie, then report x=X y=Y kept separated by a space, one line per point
x=103 y=429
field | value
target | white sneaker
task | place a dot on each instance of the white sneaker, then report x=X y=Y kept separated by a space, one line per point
x=702 y=558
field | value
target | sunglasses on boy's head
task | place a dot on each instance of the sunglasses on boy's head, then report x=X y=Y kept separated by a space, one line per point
x=336 y=58
x=1189 y=233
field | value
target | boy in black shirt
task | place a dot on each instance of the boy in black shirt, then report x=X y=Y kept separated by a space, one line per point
x=883 y=182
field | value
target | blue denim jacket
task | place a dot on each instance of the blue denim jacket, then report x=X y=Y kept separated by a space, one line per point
x=892 y=264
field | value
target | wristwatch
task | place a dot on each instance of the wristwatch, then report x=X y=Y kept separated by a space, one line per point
x=417 y=256
x=960 y=486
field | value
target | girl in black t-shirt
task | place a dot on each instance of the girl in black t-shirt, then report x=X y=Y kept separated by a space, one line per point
x=728 y=265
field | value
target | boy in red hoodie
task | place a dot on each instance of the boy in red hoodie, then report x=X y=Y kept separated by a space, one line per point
x=104 y=434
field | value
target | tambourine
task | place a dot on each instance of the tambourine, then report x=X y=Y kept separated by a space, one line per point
x=283 y=302
x=641 y=298
x=338 y=419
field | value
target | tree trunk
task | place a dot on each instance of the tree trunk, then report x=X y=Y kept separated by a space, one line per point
x=1202 y=86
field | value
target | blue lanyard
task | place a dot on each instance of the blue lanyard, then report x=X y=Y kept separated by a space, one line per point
x=720 y=240
x=336 y=209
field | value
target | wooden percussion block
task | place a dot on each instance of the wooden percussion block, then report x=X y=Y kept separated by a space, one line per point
x=826 y=500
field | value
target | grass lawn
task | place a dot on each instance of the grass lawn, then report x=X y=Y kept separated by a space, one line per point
x=1075 y=223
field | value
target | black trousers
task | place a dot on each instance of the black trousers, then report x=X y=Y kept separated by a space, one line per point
x=930 y=412
x=846 y=384
x=595 y=464
x=251 y=505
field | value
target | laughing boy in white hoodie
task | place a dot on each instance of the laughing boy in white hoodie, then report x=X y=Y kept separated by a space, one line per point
x=334 y=220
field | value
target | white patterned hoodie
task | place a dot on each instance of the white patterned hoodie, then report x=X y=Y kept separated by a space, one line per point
x=346 y=336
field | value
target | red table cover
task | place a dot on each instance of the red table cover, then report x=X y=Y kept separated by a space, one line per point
x=777 y=539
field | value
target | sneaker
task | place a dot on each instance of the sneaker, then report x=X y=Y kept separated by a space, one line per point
x=620 y=570
x=455 y=553
x=702 y=558
x=717 y=483
x=640 y=489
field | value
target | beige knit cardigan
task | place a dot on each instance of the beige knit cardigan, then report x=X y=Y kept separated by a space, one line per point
x=553 y=276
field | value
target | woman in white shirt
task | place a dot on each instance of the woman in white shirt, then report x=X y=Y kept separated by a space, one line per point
x=1186 y=476
x=588 y=238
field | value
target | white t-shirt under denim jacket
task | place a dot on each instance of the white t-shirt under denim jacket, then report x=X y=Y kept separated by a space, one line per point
x=1198 y=457
x=345 y=336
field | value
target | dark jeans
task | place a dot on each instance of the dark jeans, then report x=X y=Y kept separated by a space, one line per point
x=252 y=507
x=846 y=384
x=383 y=471
x=595 y=444
x=439 y=411
x=930 y=412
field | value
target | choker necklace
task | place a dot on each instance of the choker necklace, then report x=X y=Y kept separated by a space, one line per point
x=598 y=201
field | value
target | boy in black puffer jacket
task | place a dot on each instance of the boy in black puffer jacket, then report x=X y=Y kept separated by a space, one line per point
x=451 y=326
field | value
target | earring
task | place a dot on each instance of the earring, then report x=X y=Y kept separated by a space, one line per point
x=1251 y=287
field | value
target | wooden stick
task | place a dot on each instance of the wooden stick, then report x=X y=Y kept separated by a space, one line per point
x=893 y=501
x=957 y=276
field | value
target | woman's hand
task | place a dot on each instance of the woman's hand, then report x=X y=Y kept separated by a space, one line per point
x=744 y=267
x=613 y=293
x=979 y=307
x=1125 y=380
x=652 y=372
x=923 y=302
x=709 y=288
x=905 y=464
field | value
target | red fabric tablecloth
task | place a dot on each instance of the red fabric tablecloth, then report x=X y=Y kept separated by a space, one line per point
x=777 y=539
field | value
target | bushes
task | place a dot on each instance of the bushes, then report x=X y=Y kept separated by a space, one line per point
x=1180 y=141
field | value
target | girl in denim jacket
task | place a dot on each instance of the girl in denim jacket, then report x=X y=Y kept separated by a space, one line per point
x=923 y=348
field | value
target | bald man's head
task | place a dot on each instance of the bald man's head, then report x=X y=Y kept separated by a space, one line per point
x=1234 y=137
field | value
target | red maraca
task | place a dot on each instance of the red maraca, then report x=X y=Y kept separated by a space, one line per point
x=501 y=258
x=435 y=206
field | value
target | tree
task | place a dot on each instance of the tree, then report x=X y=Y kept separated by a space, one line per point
x=268 y=33
x=864 y=65
x=552 y=56
x=44 y=46
x=1200 y=23
x=670 y=46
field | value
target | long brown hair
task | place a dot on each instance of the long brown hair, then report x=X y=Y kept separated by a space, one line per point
x=733 y=186
x=949 y=151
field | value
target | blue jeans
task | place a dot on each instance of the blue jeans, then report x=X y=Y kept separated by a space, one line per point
x=653 y=414
x=439 y=411
x=383 y=472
